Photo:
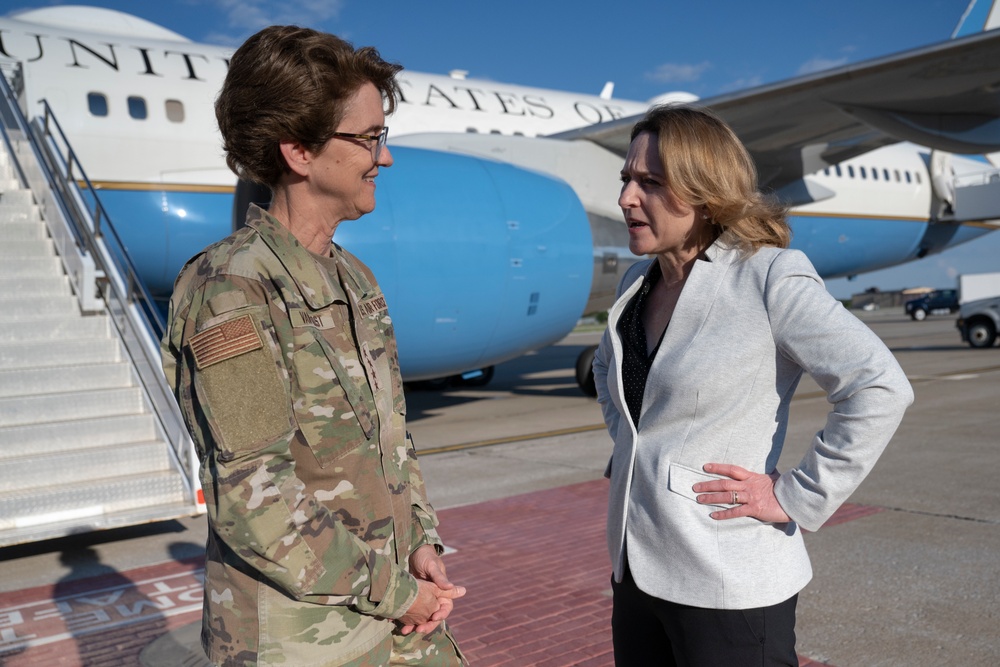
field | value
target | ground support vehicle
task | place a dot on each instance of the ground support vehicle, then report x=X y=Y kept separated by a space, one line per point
x=938 y=302
x=979 y=321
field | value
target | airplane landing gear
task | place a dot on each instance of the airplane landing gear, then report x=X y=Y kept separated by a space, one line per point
x=479 y=377
x=585 y=371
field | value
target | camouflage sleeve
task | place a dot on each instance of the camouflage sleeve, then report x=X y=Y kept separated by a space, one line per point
x=425 y=519
x=258 y=506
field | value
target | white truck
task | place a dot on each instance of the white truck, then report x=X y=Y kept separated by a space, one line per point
x=979 y=314
x=979 y=321
x=976 y=286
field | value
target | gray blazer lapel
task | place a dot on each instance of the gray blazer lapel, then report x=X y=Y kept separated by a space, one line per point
x=695 y=302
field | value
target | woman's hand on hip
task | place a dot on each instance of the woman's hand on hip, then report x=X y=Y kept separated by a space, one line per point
x=752 y=493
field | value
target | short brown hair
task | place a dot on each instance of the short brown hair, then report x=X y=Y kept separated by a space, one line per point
x=706 y=164
x=287 y=82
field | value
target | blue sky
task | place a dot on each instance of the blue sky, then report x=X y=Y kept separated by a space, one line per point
x=645 y=48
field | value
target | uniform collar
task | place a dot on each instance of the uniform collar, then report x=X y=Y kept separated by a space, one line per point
x=314 y=282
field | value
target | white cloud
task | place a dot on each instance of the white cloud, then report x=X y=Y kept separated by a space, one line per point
x=741 y=84
x=243 y=17
x=818 y=64
x=677 y=72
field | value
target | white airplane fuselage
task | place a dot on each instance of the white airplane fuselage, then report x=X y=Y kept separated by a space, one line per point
x=138 y=107
x=64 y=67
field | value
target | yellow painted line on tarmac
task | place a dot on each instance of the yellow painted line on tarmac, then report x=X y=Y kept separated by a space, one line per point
x=513 y=438
x=967 y=374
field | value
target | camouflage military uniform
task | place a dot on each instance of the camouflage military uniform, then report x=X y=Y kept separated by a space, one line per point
x=285 y=367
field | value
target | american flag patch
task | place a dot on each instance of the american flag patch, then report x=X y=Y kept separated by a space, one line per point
x=225 y=341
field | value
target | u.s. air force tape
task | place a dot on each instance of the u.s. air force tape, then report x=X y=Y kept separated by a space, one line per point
x=225 y=341
x=373 y=305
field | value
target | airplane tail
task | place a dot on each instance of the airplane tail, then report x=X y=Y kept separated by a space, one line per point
x=979 y=16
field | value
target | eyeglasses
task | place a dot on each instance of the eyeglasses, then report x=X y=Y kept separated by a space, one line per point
x=379 y=139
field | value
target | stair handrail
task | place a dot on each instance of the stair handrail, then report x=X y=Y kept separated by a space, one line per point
x=131 y=309
x=10 y=100
x=95 y=222
x=988 y=175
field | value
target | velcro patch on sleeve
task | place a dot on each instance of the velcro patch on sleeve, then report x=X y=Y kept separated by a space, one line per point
x=224 y=341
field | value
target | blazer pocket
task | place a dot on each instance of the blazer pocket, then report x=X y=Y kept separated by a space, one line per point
x=680 y=479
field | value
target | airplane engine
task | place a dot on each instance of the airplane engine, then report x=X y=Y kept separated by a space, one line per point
x=479 y=261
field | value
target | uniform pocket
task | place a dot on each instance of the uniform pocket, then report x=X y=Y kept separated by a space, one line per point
x=329 y=410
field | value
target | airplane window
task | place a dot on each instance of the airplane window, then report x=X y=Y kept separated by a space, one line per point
x=826 y=171
x=175 y=111
x=850 y=171
x=864 y=172
x=495 y=132
x=472 y=130
x=874 y=174
x=916 y=175
x=837 y=167
x=137 y=108
x=897 y=175
x=907 y=174
x=97 y=103
x=885 y=174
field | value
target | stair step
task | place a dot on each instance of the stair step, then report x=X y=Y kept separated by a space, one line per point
x=53 y=470
x=55 y=328
x=11 y=215
x=18 y=197
x=91 y=500
x=75 y=434
x=61 y=379
x=17 y=309
x=57 y=285
x=23 y=410
x=22 y=231
x=14 y=267
x=27 y=248
x=45 y=354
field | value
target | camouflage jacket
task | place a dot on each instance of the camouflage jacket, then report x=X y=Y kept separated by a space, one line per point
x=285 y=368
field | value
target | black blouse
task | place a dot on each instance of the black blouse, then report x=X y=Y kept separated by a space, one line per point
x=635 y=361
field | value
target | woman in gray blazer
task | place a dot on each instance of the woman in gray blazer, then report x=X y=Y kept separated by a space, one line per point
x=704 y=348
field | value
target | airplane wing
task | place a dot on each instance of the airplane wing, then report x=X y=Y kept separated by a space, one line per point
x=945 y=96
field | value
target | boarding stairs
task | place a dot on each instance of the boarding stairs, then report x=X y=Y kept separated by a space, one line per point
x=90 y=437
x=977 y=197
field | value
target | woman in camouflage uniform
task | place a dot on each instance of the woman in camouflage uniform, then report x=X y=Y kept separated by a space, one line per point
x=322 y=547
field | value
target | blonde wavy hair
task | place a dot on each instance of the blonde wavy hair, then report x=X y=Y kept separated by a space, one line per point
x=706 y=164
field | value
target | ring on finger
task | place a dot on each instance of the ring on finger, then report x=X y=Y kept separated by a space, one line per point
x=736 y=498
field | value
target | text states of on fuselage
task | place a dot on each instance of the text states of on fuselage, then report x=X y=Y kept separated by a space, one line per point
x=469 y=98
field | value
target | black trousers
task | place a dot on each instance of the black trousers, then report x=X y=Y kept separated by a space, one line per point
x=652 y=632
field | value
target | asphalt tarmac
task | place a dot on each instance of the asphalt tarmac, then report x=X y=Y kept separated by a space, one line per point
x=911 y=578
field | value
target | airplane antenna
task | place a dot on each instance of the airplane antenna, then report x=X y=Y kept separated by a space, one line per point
x=609 y=88
x=459 y=74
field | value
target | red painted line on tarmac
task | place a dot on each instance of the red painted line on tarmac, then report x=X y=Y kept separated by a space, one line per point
x=85 y=615
x=535 y=566
x=850 y=512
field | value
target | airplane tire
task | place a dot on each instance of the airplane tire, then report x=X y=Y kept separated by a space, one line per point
x=982 y=334
x=585 y=371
